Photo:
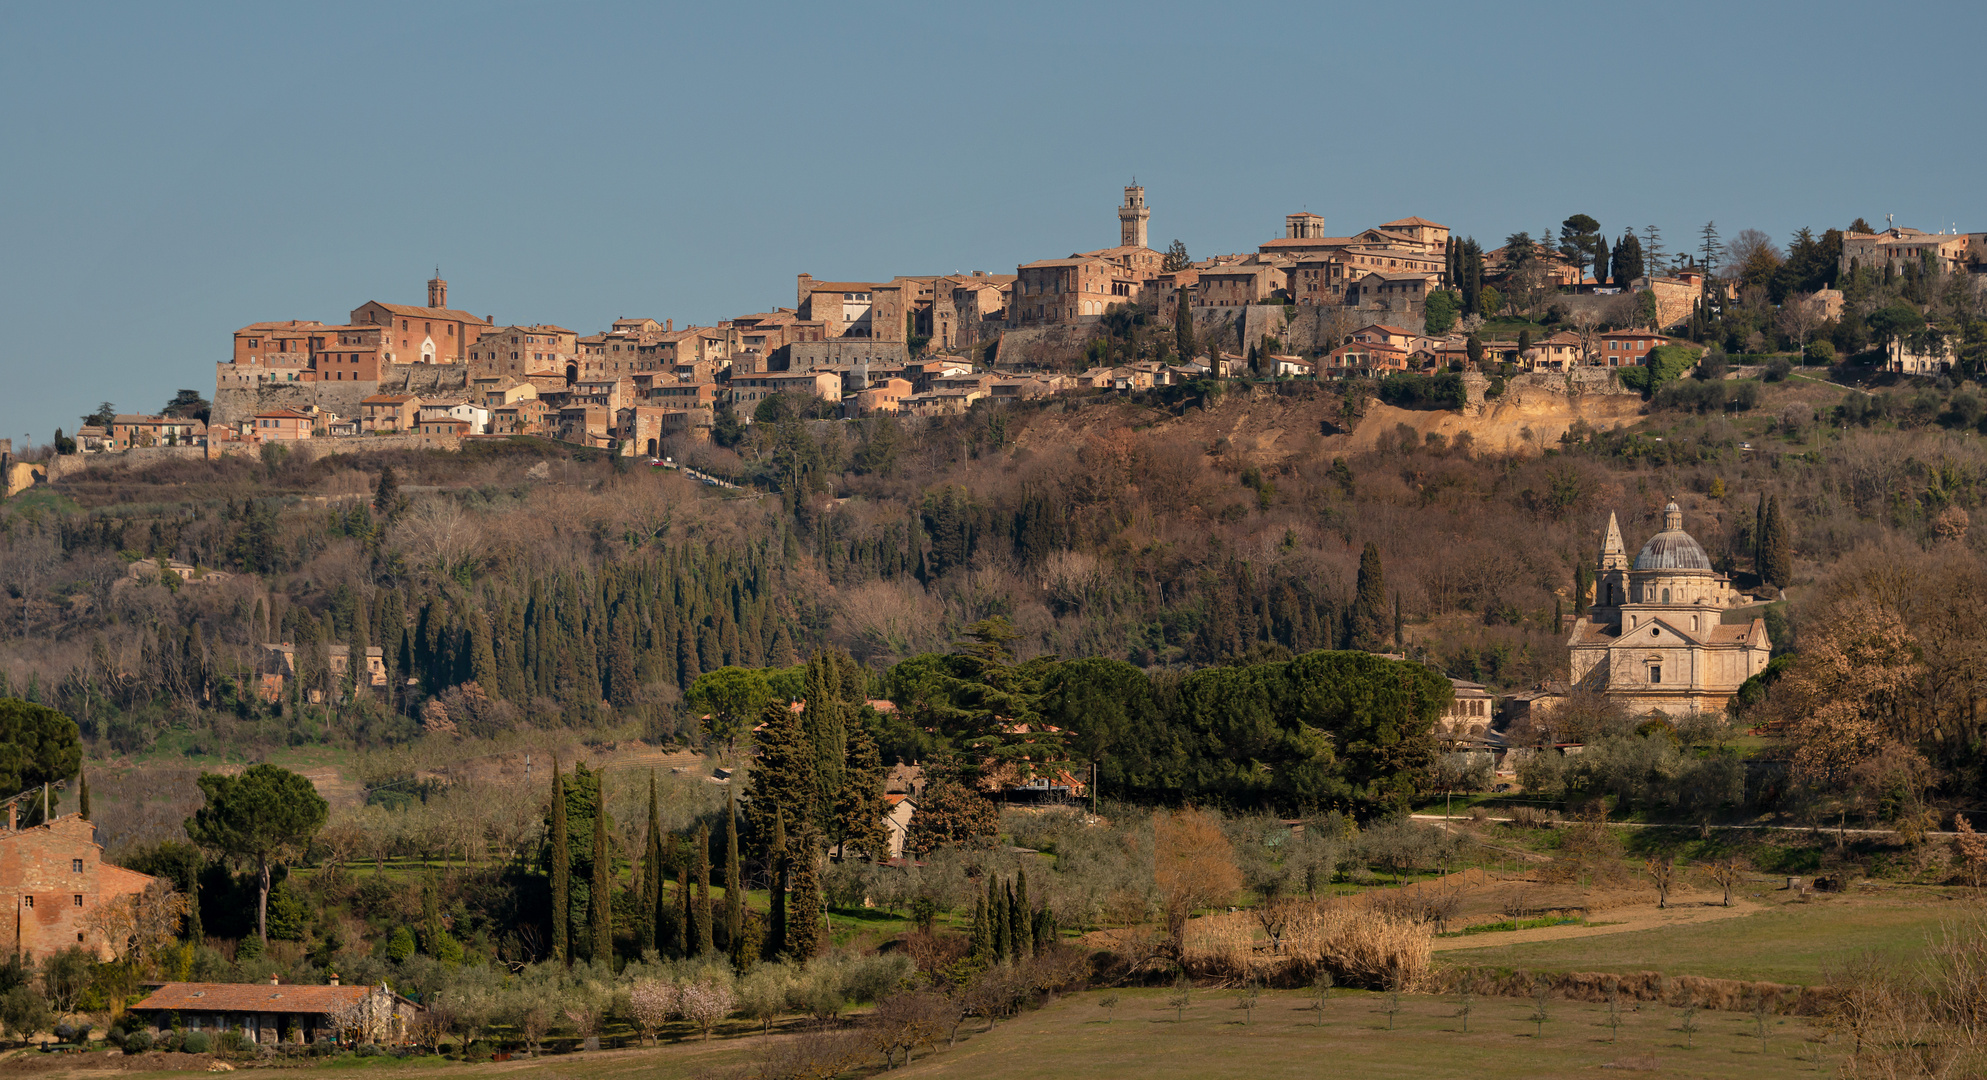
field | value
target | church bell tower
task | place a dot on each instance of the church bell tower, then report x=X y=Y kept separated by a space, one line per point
x=437 y=290
x=1611 y=585
x=1132 y=217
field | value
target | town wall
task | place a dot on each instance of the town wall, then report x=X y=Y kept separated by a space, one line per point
x=233 y=404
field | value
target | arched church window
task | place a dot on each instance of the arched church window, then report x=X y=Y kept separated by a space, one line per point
x=1666 y=596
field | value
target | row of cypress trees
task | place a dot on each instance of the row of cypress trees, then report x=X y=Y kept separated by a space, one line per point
x=1006 y=926
x=689 y=923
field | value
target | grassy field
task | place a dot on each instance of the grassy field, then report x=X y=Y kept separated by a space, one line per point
x=1788 y=942
x=1141 y=1040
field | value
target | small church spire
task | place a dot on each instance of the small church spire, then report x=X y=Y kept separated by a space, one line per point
x=1614 y=555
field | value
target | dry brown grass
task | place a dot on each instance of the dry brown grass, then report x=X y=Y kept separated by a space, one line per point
x=1356 y=944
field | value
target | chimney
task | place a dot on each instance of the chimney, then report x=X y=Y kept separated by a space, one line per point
x=669 y=324
x=437 y=290
x=273 y=980
x=334 y=978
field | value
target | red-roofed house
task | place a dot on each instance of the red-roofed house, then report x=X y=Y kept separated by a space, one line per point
x=276 y=1012
x=282 y=425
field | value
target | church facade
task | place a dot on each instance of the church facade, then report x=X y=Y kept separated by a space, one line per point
x=1656 y=637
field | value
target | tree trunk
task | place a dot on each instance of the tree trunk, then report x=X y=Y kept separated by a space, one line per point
x=262 y=901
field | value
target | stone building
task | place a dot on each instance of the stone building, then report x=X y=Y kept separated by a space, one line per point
x=431 y=334
x=1656 y=637
x=276 y=1012
x=54 y=877
x=1133 y=215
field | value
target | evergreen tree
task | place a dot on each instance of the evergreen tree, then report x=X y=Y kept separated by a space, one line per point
x=1000 y=901
x=982 y=936
x=1583 y=586
x=704 y=945
x=648 y=927
x=1777 y=546
x=1176 y=258
x=1369 y=602
x=1758 y=538
x=783 y=786
x=859 y=804
x=83 y=795
x=1601 y=255
x=825 y=724
x=804 y=918
x=686 y=908
x=1627 y=260
x=734 y=880
x=386 y=496
x=1024 y=924
x=776 y=864
x=602 y=914
x=1473 y=348
x=562 y=947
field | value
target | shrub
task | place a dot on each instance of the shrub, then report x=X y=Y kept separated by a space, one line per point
x=1777 y=369
x=196 y=1042
x=137 y=1043
x=1422 y=391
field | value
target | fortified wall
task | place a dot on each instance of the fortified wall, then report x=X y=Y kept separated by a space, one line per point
x=233 y=404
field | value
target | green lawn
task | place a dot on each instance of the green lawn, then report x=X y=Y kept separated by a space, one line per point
x=1791 y=943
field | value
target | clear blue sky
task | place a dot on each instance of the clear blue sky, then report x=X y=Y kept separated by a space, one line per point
x=173 y=171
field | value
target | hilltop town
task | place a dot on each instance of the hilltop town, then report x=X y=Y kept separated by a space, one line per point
x=1407 y=297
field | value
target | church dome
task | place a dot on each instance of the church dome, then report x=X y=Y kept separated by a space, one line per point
x=1673 y=549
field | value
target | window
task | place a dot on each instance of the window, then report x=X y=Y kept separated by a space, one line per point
x=75 y=866
x=27 y=902
x=1655 y=673
x=76 y=900
x=1666 y=596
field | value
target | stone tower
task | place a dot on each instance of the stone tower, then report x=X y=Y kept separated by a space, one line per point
x=1611 y=587
x=1132 y=217
x=437 y=291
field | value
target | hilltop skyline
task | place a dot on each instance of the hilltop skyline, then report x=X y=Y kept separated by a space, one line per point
x=195 y=173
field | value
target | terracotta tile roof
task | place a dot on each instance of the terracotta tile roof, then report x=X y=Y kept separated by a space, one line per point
x=1412 y=221
x=445 y=314
x=252 y=997
x=282 y=414
x=845 y=286
x=286 y=324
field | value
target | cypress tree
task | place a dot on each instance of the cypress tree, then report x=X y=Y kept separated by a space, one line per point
x=83 y=795
x=687 y=911
x=734 y=879
x=601 y=913
x=804 y=929
x=704 y=944
x=562 y=946
x=1600 y=259
x=776 y=864
x=1024 y=923
x=825 y=724
x=1583 y=585
x=982 y=937
x=783 y=779
x=1369 y=601
x=1759 y=538
x=1003 y=919
x=1777 y=545
x=649 y=934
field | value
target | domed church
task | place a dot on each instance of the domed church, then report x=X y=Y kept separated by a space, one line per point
x=1656 y=636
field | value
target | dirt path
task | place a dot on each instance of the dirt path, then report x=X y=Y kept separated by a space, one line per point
x=1620 y=920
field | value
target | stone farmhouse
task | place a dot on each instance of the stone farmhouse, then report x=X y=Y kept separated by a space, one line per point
x=54 y=878
x=275 y=1012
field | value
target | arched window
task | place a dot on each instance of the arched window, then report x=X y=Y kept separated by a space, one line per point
x=1666 y=596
